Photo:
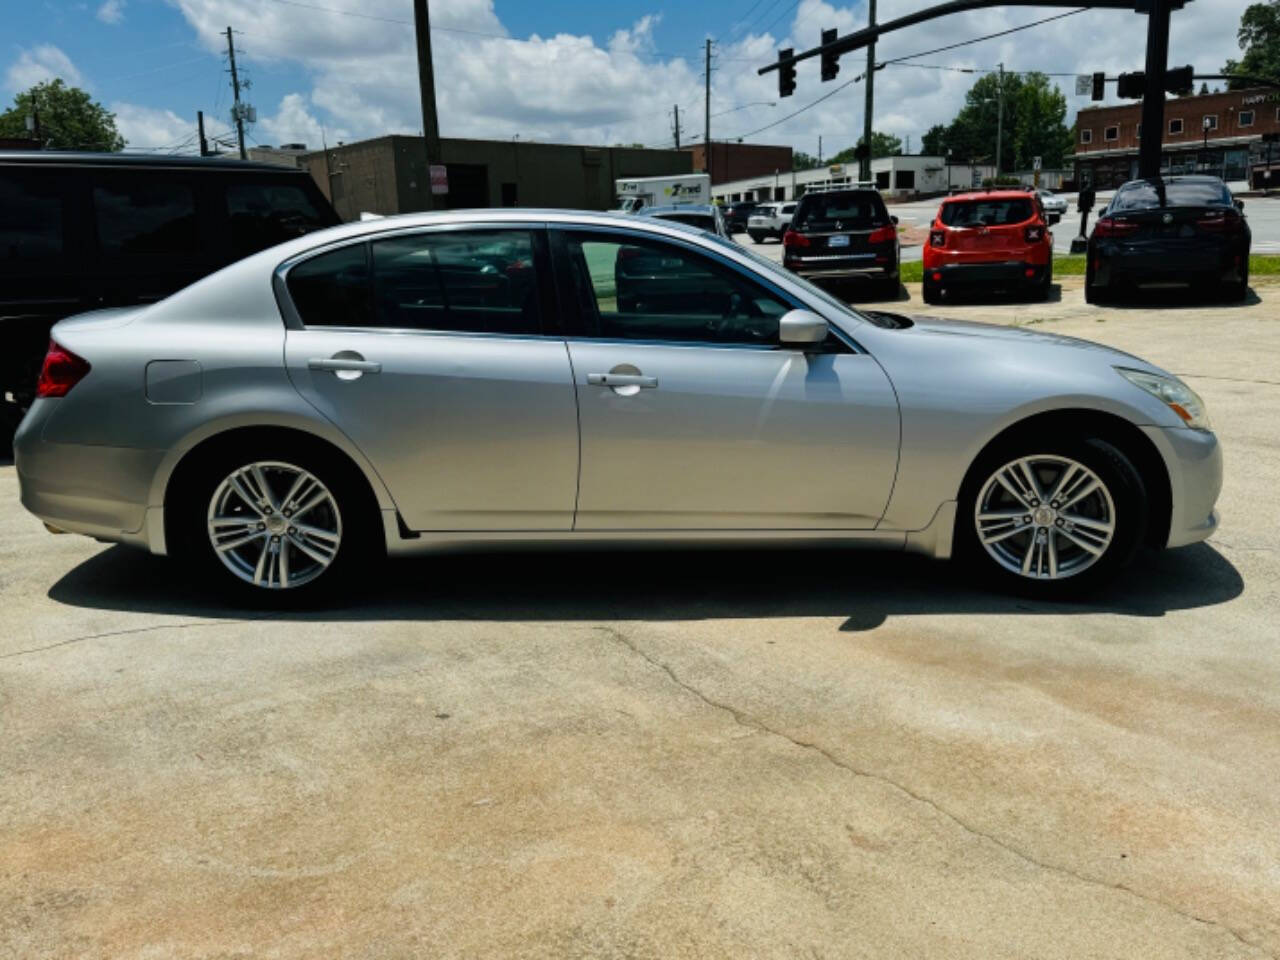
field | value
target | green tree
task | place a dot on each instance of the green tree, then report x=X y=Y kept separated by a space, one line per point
x=1259 y=38
x=1034 y=125
x=69 y=118
x=803 y=161
x=934 y=141
x=882 y=145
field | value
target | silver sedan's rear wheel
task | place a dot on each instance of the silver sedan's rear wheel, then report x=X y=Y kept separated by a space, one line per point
x=1045 y=517
x=274 y=525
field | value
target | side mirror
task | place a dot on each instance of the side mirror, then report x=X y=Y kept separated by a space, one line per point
x=894 y=220
x=1054 y=218
x=1239 y=204
x=801 y=328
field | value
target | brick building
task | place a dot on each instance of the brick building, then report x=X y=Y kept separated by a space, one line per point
x=1107 y=138
x=737 y=161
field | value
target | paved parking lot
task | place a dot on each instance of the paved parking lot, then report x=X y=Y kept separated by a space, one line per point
x=750 y=754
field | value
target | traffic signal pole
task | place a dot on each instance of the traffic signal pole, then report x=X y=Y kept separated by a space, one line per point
x=1149 y=147
x=864 y=165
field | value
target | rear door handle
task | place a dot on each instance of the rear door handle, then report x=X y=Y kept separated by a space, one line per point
x=622 y=380
x=336 y=365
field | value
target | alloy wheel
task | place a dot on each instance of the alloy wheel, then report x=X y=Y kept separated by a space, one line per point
x=1045 y=517
x=274 y=525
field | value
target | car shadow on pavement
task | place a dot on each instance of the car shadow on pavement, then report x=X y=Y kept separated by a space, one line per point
x=864 y=588
x=1178 y=298
x=1001 y=295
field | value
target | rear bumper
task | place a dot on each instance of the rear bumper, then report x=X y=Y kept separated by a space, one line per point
x=841 y=268
x=1157 y=264
x=1005 y=271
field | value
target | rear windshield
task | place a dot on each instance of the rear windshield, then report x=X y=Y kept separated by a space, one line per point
x=852 y=210
x=1179 y=193
x=986 y=213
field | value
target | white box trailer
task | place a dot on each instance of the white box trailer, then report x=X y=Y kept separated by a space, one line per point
x=636 y=192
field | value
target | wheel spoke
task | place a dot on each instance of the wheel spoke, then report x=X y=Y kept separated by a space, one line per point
x=262 y=563
x=1060 y=488
x=311 y=531
x=1080 y=494
x=1101 y=526
x=301 y=483
x=1032 y=483
x=263 y=487
x=311 y=550
x=240 y=541
x=1095 y=549
x=284 y=563
x=1003 y=535
x=250 y=501
x=1053 y=556
x=1010 y=481
x=1028 y=557
x=312 y=503
x=220 y=522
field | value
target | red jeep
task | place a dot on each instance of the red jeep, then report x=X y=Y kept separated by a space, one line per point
x=993 y=239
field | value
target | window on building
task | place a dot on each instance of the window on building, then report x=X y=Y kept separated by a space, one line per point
x=146 y=217
x=905 y=179
x=1210 y=122
x=1111 y=133
x=882 y=180
x=1138 y=131
x=508 y=194
x=1086 y=136
x=1246 y=118
x=1175 y=127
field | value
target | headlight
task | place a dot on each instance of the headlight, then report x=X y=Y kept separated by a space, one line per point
x=1172 y=392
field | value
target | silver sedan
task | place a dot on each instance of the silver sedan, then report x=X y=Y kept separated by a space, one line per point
x=430 y=380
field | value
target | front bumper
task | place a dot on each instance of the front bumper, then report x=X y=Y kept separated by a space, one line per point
x=1194 y=461
x=97 y=491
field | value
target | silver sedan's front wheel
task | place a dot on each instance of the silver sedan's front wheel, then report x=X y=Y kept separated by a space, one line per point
x=274 y=525
x=1045 y=517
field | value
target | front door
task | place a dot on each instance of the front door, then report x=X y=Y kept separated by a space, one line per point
x=429 y=351
x=693 y=417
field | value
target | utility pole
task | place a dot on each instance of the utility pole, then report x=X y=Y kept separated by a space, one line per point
x=235 y=89
x=1149 y=147
x=427 y=88
x=204 y=144
x=999 y=119
x=864 y=168
x=819 y=149
x=706 y=133
x=677 y=125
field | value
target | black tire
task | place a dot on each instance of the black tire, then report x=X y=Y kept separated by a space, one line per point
x=358 y=520
x=757 y=238
x=1093 y=293
x=930 y=291
x=1122 y=483
x=1237 y=292
x=1046 y=285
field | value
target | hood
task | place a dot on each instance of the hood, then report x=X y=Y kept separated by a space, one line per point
x=990 y=331
x=104 y=319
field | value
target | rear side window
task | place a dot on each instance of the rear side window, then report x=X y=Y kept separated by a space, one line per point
x=264 y=214
x=1179 y=193
x=821 y=211
x=332 y=290
x=146 y=217
x=986 y=213
x=31 y=219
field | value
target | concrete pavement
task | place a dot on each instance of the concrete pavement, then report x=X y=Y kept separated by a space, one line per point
x=747 y=754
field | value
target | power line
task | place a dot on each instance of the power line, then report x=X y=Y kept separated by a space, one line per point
x=774 y=22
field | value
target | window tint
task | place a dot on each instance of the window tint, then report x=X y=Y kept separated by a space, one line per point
x=473 y=282
x=1144 y=195
x=986 y=213
x=817 y=211
x=264 y=214
x=700 y=220
x=31 y=224
x=647 y=290
x=146 y=217
x=332 y=290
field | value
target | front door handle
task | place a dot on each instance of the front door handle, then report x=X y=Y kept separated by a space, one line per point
x=336 y=364
x=622 y=380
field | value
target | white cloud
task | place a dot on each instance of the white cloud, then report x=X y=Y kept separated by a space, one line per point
x=40 y=63
x=294 y=123
x=112 y=11
x=147 y=127
x=567 y=87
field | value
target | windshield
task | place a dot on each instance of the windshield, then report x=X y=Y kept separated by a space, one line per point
x=985 y=213
x=1145 y=195
x=851 y=210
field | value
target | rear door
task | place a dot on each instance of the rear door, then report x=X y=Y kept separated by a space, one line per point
x=437 y=353
x=991 y=228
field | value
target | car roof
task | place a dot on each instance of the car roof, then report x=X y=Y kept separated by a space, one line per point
x=77 y=158
x=705 y=209
x=1004 y=194
x=835 y=191
x=1180 y=178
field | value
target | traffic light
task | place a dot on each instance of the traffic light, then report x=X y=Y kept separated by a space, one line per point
x=1131 y=86
x=1099 y=86
x=786 y=74
x=1180 y=80
x=830 y=60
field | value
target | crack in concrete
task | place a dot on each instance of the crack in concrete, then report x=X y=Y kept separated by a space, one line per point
x=124 y=633
x=755 y=723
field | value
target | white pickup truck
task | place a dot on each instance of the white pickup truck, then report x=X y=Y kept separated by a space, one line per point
x=770 y=220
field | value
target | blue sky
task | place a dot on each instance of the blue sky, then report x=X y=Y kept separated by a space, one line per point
x=578 y=71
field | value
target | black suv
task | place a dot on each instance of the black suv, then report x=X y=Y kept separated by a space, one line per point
x=844 y=235
x=80 y=231
x=737 y=214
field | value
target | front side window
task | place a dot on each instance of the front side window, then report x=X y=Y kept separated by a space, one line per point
x=32 y=225
x=146 y=217
x=641 y=289
x=264 y=214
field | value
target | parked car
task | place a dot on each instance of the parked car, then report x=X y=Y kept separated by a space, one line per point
x=703 y=216
x=86 y=230
x=737 y=215
x=284 y=422
x=1052 y=202
x=770 y=220
x=995 y=239
x=844 y=235
x=1167 y=231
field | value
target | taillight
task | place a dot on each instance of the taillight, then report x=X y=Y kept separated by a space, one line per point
x=793 y=239
x=937 y=238
x=1220 y=221
x=1106 y=227
x=62 y=370
x=882 y=234
x=1033 y=234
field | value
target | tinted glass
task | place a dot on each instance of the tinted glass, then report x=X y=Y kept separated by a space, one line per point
x=263 y=215
x=852 y=210
x=986 y=213
x=472 y=282
x=700 y=220
x=332 y=290
x=146 y=217
x=31 y=225
x=1180 y=193
x=647 y=290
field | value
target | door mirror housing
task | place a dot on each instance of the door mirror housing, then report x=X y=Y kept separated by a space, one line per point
x=894 y=220
x=1054 y=218
x=1239 y=205
x=801 y=328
